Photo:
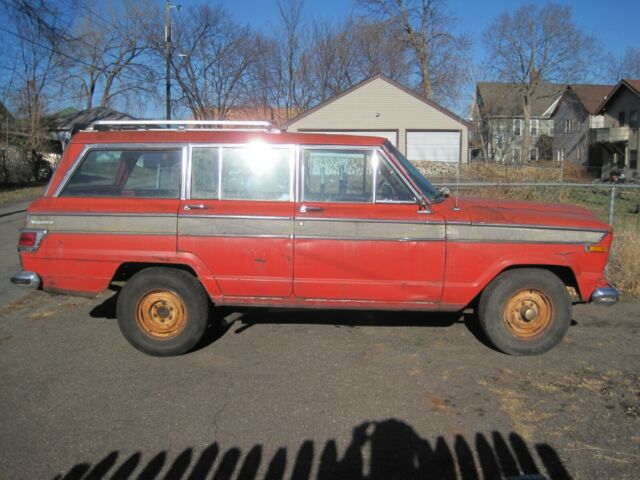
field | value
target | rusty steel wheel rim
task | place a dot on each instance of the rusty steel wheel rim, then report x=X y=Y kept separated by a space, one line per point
x=161 y=314
x=528 y=313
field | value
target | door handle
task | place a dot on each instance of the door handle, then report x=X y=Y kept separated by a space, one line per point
x=199 y=206
x=306 y=209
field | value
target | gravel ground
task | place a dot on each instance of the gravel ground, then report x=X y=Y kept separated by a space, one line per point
x=315 y=394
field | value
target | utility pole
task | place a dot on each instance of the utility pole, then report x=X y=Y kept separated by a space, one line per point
x=167 y=40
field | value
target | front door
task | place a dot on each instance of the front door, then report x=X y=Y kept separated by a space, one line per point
x=238 y=217
x=359 y=234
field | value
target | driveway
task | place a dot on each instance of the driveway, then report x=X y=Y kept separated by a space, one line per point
x=310 y=394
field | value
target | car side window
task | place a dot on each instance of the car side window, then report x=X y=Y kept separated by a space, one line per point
x=338 y=175
x=127 y=173
x=389 y=185
x=257 y=172
x=204 y=172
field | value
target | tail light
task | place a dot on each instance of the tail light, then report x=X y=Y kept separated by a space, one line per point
x=30 y=240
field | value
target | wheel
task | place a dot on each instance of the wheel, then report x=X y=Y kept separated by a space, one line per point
x=525 y=311
x=163 y=311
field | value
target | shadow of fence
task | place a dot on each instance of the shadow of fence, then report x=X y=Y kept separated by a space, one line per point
x=390 y=449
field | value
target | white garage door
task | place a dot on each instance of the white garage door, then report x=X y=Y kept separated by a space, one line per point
x=388 y=134
x=434 y=146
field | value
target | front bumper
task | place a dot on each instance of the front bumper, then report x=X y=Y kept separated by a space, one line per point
x=26 y=279
x=605 y=296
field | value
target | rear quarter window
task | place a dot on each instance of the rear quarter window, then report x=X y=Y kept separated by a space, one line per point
x=127 y=173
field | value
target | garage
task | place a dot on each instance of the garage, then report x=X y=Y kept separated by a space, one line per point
x=433 y=146
x=390 y=135
x=378 y=106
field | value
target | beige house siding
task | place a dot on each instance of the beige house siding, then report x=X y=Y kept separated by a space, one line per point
x=380 y=105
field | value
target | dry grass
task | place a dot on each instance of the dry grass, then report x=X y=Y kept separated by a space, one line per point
x=624 y=267
x=10 y=195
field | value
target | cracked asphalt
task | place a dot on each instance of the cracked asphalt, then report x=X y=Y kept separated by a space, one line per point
x=313 y=394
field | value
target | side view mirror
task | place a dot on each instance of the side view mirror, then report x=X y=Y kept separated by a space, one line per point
x=444 y=191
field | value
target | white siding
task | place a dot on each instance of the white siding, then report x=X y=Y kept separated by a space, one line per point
x=380 y=106
x=434 y=146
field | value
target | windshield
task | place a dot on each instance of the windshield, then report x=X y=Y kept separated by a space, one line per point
x=428 y=190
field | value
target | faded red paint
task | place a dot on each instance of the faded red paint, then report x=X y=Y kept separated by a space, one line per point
x=428 y=275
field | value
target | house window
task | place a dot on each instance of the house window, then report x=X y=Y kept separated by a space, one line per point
x=633 y=119
x=622 y=119
x=533 y=128
x=517 y=127
x=567 y=126
x=533 y=154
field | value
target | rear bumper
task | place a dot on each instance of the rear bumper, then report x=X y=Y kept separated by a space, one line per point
x=605 y=296
x=26 y=279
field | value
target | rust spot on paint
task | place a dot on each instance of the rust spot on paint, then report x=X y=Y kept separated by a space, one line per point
x=260 y=260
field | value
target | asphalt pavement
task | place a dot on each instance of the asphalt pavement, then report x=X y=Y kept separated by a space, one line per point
x=311 y=395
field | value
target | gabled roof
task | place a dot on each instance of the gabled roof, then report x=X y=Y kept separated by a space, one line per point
x=85 y=117
x=504 y=100
x=591 y=96
x=633 y=85
x=399 y=86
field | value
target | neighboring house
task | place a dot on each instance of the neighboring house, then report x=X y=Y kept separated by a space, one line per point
x=618 y=137
x=381 y=107
x=574 y=119
x=63 y=125
x=500 y=123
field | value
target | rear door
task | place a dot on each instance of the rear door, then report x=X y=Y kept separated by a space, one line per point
x=237 y=217
x=359 y=234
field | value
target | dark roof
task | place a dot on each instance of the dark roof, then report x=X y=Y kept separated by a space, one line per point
x=591 y=96
x=632 y=84
x=425 y=100
x=67 y=122
x=504 y=99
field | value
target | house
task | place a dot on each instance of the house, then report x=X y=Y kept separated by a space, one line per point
x=381 y=107
x=618 y=137
x=64 y=124
x=497 y=111
x=575 y=119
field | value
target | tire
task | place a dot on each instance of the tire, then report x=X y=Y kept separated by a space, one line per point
x=525 y=311
x=163 y=311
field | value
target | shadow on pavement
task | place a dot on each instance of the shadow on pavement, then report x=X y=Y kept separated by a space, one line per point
x=389 y=449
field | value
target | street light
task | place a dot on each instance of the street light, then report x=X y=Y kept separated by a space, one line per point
x=167 y=40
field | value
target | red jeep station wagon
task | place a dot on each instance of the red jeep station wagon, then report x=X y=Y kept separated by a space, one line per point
x=199 y=214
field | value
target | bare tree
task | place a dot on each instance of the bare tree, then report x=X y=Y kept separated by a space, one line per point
x=428 y=29
x=106 y=55
x=627 y=66
x=532 y=45
x=212 y=61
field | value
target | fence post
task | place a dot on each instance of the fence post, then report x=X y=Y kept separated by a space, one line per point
x=612 y=204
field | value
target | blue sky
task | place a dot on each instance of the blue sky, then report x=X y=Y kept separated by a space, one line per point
x=615 y=23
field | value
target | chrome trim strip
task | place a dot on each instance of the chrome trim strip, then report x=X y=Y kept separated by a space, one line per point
x=234 y=235
x=243 y=226
x=98 y=223
x=241 y=217
x=368 y=220
x=372 y=239
x=527 y=225
x=100 y=214
x=485 y=233
x=368 y=230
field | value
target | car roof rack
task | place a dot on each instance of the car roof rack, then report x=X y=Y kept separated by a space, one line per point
x=214 y=125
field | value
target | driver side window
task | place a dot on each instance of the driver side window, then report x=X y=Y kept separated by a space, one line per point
x=389 y=186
